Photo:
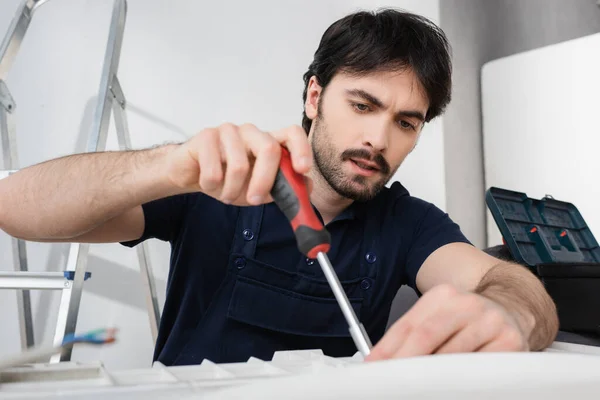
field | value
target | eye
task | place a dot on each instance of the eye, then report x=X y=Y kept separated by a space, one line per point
x=360 y=107
x=406 y=125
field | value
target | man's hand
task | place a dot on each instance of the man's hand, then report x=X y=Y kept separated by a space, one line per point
x=446 y=320
x=237 y=164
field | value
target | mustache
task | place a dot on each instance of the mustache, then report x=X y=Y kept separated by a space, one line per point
x=364 y=154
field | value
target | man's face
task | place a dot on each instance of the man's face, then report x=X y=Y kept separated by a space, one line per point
x=363 y=129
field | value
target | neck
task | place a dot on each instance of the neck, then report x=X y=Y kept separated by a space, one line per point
x=325 y=199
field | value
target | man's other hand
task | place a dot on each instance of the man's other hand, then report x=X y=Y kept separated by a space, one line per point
x=446 y=320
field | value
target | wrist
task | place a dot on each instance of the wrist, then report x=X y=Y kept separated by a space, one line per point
x=524 y=297
x=522 y=316
x=160 y=159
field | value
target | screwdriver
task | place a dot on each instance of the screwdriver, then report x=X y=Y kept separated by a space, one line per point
x=290 y=193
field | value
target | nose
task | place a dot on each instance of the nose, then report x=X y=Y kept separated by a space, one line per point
x=376 y=137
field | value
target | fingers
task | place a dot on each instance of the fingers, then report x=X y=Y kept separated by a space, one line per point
x=267 y=152
x=444 y=321
x=508 y=340
x=295 y=140
x=476 y=335
x=440 y=326
x=395 y=337
x=237 y=163
x=209 y=158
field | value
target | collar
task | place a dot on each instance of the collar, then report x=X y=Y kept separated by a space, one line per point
x=355 y=210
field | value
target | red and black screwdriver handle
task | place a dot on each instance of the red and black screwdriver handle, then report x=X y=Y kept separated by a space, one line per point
x=290 y=193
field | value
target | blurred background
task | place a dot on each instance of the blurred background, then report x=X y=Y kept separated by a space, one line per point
x=524 y=116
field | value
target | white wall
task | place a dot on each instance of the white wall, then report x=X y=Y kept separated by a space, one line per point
x=541 y=125
x=184 y=66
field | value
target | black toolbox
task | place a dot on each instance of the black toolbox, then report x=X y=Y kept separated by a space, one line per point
x=552 y=239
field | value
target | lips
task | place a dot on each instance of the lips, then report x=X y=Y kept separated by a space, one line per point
x=365 y=164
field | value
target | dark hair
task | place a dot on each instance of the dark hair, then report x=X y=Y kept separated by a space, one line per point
x=387 y=39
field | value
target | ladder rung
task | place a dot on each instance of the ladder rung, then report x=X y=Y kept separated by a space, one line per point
x=33 y=280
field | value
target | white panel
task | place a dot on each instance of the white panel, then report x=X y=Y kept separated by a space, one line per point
x=559 y=372
x=541 y=125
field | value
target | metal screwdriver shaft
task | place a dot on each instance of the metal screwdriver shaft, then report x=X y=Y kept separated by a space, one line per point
x=291 y=196
x=357 y=330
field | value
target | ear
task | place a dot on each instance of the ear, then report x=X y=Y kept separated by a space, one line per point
x=313 y=93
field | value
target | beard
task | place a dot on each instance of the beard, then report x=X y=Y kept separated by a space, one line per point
x=330 y=166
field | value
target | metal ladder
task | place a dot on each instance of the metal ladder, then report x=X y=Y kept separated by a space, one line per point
x=110 y=98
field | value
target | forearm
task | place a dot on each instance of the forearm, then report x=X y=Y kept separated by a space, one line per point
x=524 y=296
x=69 y=196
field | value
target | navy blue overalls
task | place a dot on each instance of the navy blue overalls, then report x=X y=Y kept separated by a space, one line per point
x=265 y=307
x=239 y=287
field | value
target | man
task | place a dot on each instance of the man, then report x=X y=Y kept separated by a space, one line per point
x=238 y=286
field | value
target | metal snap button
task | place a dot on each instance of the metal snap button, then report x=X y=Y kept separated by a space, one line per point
x=248 y=234
x=240 y=262
x=370 y=257
x=365 y=284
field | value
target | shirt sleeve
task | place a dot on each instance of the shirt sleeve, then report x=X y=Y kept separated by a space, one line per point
x=434 y=230
x=163 y=218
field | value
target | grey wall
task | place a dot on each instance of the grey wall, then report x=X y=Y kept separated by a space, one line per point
x=481 y=31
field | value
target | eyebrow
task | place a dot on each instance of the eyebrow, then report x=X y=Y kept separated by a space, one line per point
x=378 y=103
